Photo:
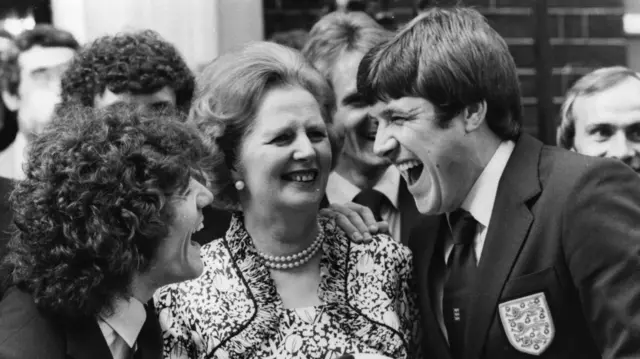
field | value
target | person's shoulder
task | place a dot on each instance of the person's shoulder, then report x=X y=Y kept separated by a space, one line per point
x=561 y=168
x=22 y=325
x=6 y=186
x=380 y=242
x=386 y=243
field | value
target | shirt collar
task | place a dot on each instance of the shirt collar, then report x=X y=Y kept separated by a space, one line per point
x=480 y=200
x=127 y=319
x=340 y=190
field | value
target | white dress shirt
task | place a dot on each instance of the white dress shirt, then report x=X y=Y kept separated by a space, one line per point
x=13 y=157
x=121 y=329
x=340 y=190
x=479 y=203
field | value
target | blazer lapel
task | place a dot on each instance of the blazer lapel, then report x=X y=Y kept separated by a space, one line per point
x=508 y=228
x=150 y=337
x=85 y=340
x=424 y=247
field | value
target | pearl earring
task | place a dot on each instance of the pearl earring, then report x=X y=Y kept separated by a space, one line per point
x=239 y=185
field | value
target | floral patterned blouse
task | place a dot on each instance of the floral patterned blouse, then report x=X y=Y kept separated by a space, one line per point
x=234 y=311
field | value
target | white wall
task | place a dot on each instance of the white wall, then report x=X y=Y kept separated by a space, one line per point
x=200 y=29
x=633 y=42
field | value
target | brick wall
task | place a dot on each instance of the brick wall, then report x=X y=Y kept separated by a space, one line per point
x=585 y=34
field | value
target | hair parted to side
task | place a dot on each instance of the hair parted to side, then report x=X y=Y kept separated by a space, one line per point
x=41 y=35
x=338 y=33
x=592 y=83
x=452 y=58
x=229 y=94
x=132 y=62
x=96 y=203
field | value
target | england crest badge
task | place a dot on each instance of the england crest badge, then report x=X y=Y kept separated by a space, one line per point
x=527 y=323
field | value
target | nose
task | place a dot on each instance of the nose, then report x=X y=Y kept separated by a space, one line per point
x=621 y=148
x=384 y=145
x=303 y=148
x=205 y=197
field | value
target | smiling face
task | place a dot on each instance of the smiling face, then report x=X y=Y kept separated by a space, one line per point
x=286 y=157
x=353 y=114
x=434 y=161
x=608 y=123
x=178 y=257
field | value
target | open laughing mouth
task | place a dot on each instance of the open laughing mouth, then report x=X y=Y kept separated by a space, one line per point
x=198 y=228
x=410 y=170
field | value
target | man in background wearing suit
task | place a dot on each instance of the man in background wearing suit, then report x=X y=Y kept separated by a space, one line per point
x=30 y=80
x=601 y=115
x=538 y=248
x=336 y=44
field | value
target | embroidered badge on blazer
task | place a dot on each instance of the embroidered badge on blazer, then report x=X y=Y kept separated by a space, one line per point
x=527 y=323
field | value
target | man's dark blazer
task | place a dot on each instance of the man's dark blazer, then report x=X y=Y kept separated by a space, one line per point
x=6 y=217
x=409 y=215
x=562 y=224
x=27 y=333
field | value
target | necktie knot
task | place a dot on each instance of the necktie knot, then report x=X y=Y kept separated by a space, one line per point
x=373 y=199
x=463 y=227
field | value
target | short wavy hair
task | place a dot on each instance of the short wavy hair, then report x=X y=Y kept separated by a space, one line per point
x=41 y=35
x=95 y=204
x=338 y=33
x=230 y=90
x=453 y=58
x=137 y=63
x=594 y=82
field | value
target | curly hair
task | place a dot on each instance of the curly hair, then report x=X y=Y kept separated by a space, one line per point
x=230 y=92
x=40 y=35
x=96 y=203
x=136 y=63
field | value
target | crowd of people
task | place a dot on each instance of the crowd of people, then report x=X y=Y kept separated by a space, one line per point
x=355 y=193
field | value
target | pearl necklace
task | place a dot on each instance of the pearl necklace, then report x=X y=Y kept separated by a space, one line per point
x=293 y=260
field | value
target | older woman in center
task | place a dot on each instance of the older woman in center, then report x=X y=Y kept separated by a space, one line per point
x=284 y=282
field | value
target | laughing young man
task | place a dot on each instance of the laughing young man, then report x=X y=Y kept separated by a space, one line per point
x=336 y=44
x=538 y=248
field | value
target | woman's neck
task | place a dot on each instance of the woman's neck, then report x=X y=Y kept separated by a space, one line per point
x=143 y=287
x=277 y=233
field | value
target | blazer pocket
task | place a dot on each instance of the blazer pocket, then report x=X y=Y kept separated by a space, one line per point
x=545 y=281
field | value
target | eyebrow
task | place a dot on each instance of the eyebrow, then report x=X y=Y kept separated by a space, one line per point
x=388 y=112
x=353 y=99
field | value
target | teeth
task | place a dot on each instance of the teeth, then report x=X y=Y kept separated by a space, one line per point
x=302 y=176
x=406 y=166
x=200 y=227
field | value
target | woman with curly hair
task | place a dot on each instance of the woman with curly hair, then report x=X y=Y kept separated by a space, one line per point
x=285 y=281
x=104 y=217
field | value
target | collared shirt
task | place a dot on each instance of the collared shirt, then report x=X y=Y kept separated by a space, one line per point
x=482 y=196
x=123 y=325
x=479 y=203
x=13 y=157
x=340 y=190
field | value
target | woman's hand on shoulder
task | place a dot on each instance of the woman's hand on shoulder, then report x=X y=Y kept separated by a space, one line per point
x=356 y=220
